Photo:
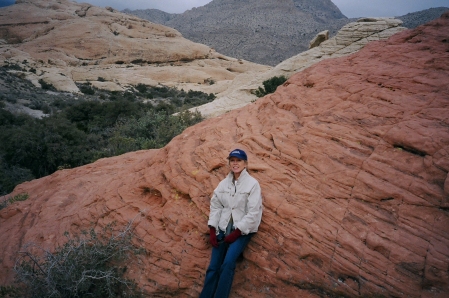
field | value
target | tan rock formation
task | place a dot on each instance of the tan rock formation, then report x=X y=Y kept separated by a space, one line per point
x=352 y=156
x=69 y=33
x=319 y=38
x=350 y=39
x=68 y=42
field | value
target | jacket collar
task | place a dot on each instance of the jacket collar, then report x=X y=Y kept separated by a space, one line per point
x=243 y=174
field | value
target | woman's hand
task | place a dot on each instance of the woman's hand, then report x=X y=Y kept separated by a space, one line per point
x=233 y=236
x=213 y=237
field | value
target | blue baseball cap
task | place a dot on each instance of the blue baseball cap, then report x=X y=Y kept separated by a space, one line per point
x=239 y=153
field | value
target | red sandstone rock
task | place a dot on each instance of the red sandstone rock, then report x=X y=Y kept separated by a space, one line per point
x=352 y=156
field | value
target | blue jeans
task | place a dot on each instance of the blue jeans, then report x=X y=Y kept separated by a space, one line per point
x=220 y=273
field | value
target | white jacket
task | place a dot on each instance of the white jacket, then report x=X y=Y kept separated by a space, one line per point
x=243 y=200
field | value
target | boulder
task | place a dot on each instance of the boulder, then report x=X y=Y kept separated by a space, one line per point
x=352 y=157
x=319 y=38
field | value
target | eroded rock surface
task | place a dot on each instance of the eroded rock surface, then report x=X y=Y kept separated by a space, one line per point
x=353 y=158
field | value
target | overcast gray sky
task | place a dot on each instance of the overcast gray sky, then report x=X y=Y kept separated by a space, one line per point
x=350 y=8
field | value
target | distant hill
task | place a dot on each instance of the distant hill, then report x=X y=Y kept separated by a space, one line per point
x=263 y=31
x=414 y=19
x=153 y=15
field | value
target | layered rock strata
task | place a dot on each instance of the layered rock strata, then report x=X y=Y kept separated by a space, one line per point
x=352 y=156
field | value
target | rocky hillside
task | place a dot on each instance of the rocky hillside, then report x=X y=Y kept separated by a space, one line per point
x=265 y=32
x=352 y=157
x=67 y=42
x=261 y=31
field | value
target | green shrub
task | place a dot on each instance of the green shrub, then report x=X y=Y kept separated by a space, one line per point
x=60 y=103
x=10 y=176
x=13 y=66
x=164 y=107
x=46 y=86
x=154 y=129
x=137 y=61
x=89 y=265
x=197 y=98
x=119 y=144
x=176 y=101
x=142 y=88
x=82 y=129
x=41 y=145
x=45 y=108
x=270 y=86
x=86 y=89
x=16 y=198
x=88 y=114
x=10 y=99
x=114 y=95
x=128 y=95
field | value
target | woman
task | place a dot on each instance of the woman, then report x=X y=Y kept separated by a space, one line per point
x=235 y=215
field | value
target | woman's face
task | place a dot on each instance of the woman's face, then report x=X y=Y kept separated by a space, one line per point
x=237 y=165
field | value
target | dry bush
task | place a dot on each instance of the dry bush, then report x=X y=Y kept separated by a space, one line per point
x=90 y=265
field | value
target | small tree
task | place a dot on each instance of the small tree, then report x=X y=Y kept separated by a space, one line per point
x=270 y=86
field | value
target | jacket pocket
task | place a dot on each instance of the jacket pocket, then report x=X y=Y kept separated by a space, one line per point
x=242 y=198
